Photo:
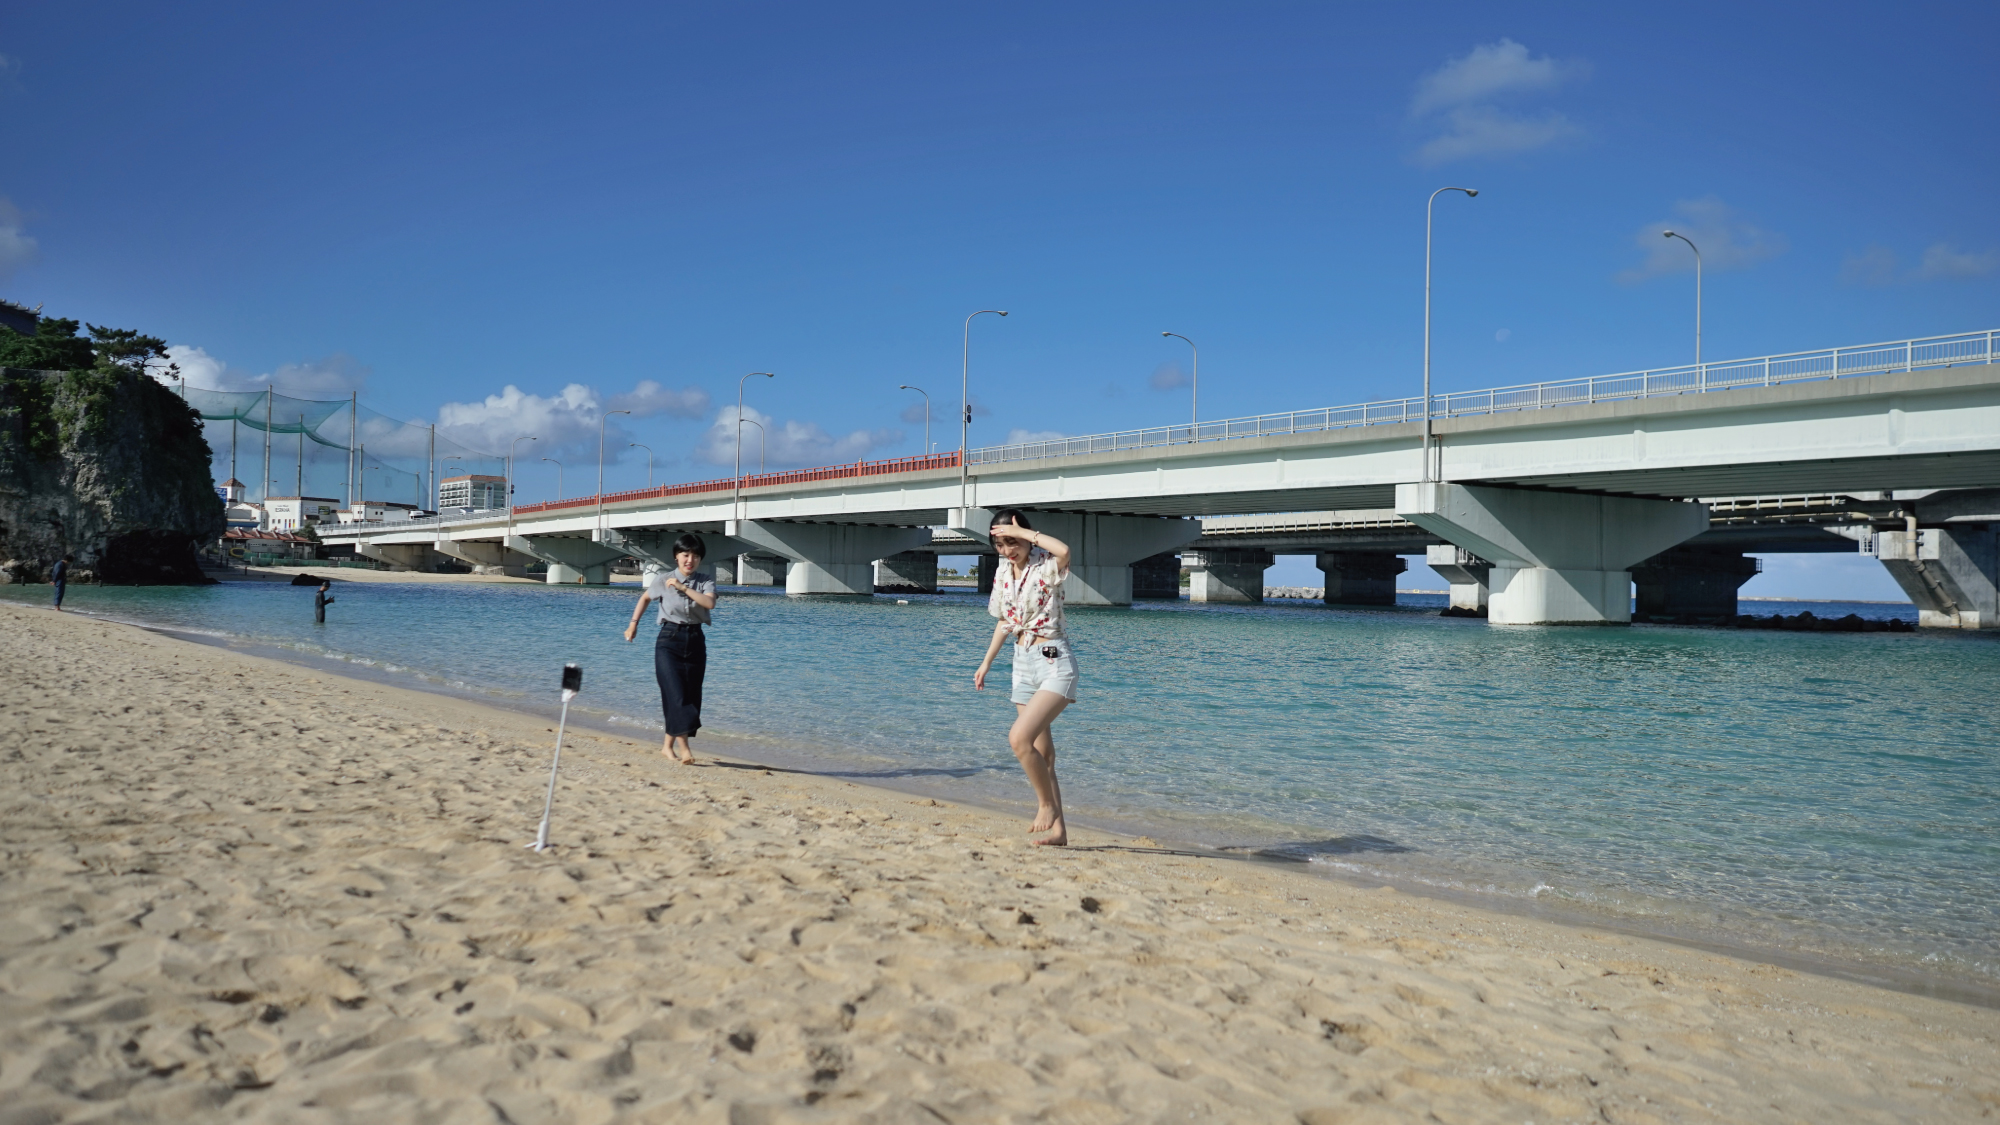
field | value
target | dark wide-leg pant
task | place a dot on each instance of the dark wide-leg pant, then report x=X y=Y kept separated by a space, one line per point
x=680 y=662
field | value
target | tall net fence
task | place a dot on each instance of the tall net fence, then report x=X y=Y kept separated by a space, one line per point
x=334 y=449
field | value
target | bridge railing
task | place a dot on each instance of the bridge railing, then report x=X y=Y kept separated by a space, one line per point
x=1763 y=371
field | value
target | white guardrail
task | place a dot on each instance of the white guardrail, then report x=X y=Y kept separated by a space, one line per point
x=1764 y=371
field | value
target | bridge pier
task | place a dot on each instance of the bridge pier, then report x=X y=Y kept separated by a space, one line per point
x=571 y=561
x=399 y=556
x=988 y=563
x=1228 y=575
x=757 y=569
x=1559 y=558
x=1466 y=572
x=1691 y=584
x=910 y=572
x=1952 y=573
x=656 y=547
x=1102 y=548
x=828 y=558
x=484 y=558
x=1157 y=578
x=1360 y=577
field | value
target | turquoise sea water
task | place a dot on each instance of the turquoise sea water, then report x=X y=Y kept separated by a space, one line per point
x=1823 y=795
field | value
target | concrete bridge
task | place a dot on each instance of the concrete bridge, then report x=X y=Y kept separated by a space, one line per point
x=1542 y=503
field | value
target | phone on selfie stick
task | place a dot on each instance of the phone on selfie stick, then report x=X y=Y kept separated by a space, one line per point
x=572 y=682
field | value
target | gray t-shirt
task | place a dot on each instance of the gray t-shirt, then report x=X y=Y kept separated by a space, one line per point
x=675 y=607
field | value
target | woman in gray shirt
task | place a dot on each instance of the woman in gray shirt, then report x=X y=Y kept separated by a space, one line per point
x=680 y=655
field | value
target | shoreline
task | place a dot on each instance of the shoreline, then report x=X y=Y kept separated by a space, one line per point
x=325 y=876
x=800 y=760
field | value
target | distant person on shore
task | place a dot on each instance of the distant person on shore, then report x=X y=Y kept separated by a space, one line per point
x=60 y=576
x=680 y=654
x=1028 y=600
x=320 y=602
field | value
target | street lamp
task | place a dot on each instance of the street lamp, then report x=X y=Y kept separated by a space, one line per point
x=599 y=521
x=510 y=483
x=1470 y=193
x=927 y=413
x=760 y=441
x=559 y=469
x=1194 y=382
x=736 y=501
x=965 y=399
x=649 y=461
x=1697 y=290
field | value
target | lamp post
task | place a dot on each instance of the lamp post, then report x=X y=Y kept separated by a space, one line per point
x=559 y=475
x=649 y=461
x=927 y=413
x=1697 y=289
x=760 y=441
x=965 y=399
x=1194 y=382
x=510 y=484
x=598 y=521
x=1429 y=207
x=736 y=501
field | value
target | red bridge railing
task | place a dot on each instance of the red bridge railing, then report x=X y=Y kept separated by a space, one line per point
x=728 y=484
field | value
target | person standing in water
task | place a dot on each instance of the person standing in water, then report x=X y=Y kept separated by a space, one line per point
x=320 y=602
x=680 y=653
x=60 y=576
x=1028 y=601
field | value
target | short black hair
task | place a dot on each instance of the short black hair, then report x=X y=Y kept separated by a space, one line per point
x=692 y=544
x=1011 y=515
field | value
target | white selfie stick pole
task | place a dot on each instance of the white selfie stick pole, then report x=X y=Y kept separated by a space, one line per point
x=548 y=803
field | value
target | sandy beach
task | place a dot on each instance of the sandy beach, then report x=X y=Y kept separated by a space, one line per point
x=238 y=889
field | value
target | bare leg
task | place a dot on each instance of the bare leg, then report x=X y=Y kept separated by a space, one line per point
x=1034 y=747
x=675 y=746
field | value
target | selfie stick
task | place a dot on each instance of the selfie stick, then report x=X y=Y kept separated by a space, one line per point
x=572 y=682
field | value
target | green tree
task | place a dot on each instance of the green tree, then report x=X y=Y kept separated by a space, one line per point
x=55 y=346
x=123 y=349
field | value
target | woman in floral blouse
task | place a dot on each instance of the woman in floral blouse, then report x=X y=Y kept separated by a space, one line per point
x=1028 y=600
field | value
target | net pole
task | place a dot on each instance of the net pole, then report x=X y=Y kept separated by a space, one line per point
x=353 y=413
x=433 y=466
x=232 y=447
x=264 y=489
x=302 y=468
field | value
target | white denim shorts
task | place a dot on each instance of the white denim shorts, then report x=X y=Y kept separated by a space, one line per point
x=1035 y=670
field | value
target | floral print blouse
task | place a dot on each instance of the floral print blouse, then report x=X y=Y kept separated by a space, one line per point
x=1029 y=600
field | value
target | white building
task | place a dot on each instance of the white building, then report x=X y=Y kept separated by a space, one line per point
x=475 y=491
x=376 y=511
x=290 y=513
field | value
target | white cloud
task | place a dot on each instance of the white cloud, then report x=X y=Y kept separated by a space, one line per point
x=791 y=445
x=917 y=413
x=336 y=376
x=16 y=248
x=1461 y=98
x=565 y=423
x=1941 y=261
x=1496 y=68
x=1873 y=266
x=1727 y=241
x=1027 y=437
x=1169 y=376
x=649 y=398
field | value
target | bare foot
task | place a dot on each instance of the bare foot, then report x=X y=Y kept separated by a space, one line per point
x=1059 y=838
x=1045 y=819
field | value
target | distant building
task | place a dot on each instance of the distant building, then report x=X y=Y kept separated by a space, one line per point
x=290 y=513
x=376 y=511
x=238 y=542
x=20 y=318
x=230 y=490
x=475 y=491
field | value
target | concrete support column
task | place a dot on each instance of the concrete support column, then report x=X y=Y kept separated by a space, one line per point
x=1952 y=573
x=1559 y=558
x=911 y=572
x=1157 y=578
x=987 y=565
x=1360 y=577
x=1466 y=572
x=1691 y=584
x=571 y=561
x=757 y=569
x=725 y=569
x=828 y=558
x=1231 y=574
x=655 y=548
x=399 y=556
x=1102 y=548
x=484 y=557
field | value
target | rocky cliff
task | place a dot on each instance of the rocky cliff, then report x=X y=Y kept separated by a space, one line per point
x=107 y=465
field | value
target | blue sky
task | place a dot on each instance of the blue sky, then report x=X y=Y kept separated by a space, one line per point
x=432 y=204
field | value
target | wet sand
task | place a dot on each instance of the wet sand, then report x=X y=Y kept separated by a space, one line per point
x=235 y=889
